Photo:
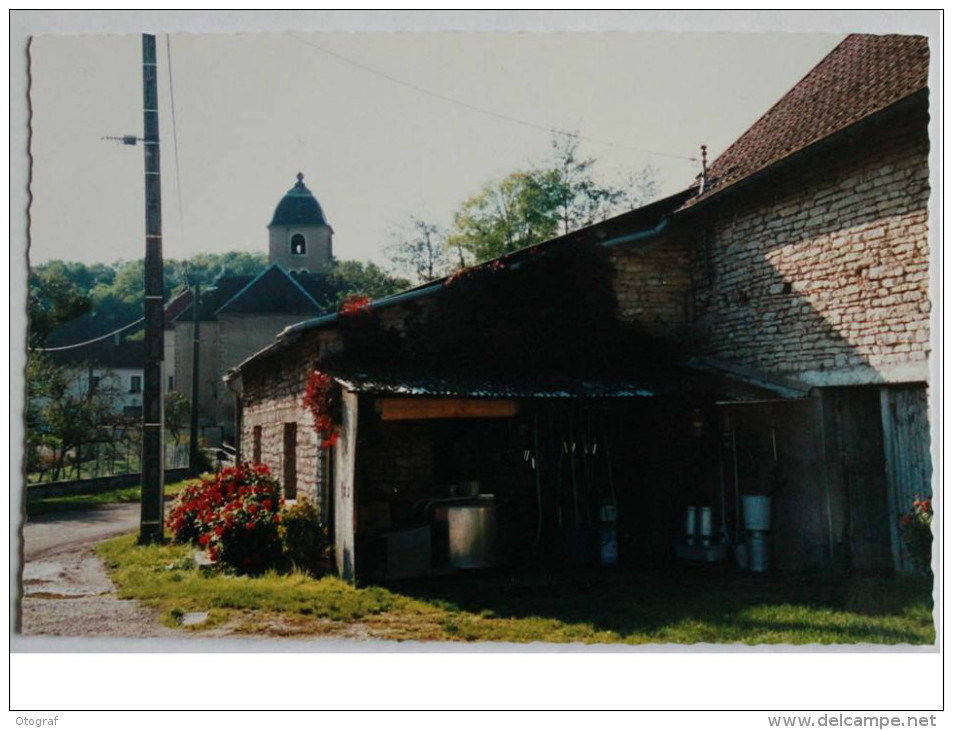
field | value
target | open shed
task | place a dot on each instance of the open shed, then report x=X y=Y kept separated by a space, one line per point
x=432 y=475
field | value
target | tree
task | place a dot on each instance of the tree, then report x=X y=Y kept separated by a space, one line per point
x=177 y=409
x=580 y=198
x=364 y=278
x=65 y=409
x=507 y=215
x=53 y=301
x=420 y=250
x=533 y=205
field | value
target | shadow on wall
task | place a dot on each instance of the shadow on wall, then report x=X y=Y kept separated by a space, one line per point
x=825 y=270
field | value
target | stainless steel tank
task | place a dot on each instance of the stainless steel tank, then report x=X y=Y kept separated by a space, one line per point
x=472 y=535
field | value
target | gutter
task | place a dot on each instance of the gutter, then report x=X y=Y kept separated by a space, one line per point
x=407 y=296
x=639 y=235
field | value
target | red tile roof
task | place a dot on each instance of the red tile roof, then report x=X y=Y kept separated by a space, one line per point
x=864 y=75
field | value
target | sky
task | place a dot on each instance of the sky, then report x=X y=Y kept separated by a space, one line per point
x=384 y=126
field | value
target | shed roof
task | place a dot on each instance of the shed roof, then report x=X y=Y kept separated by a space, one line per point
x=696 y=376
x=418 y=384
x=862 y=76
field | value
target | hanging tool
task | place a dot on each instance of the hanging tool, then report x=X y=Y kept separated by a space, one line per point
x=536 y=464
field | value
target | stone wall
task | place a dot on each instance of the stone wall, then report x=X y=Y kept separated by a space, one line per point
x=653 y=285
x=821 y=272
x=241 y=337
x=272 y=391
x=212 y=390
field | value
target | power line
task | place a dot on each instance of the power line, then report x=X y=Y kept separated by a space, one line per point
x=89 y=342
x=175 y=137
x=488 y=112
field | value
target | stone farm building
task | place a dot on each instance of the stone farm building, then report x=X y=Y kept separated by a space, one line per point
x=766 y=331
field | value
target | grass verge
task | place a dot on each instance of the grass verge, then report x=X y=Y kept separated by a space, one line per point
x=65 y=502
x=635 y=608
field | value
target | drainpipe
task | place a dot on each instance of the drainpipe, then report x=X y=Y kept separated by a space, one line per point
x=638 y=235
x=235 y=386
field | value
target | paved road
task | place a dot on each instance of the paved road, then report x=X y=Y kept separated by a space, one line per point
x=59 y=532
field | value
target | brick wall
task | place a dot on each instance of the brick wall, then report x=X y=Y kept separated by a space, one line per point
x=822 y=271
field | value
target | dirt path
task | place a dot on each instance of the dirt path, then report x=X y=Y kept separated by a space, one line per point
x=66 y=591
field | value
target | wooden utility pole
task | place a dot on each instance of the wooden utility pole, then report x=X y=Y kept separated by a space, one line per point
x=194 y=409
x=152 y=514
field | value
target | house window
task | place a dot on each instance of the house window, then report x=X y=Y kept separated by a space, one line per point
x=256 y=445
x=291 y=460
x=171 y=381
x=135 y=384
x=299 y=246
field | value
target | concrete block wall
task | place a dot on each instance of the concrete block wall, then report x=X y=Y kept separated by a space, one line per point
x=822 y=272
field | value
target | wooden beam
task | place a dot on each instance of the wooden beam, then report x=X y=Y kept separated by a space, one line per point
x=406 y=409
x=345 y=466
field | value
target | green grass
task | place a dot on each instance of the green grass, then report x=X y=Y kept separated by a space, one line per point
x=650 y=607
x=65 y=502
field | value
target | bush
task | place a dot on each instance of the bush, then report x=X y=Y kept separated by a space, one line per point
x=917 y=534
x=304 y=538
x=243 y=532
x=234 y=515
x=194 y=507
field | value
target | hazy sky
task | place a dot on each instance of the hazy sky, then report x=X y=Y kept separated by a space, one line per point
x=253 y=110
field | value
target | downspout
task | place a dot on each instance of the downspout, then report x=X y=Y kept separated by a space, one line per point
x=234 y=384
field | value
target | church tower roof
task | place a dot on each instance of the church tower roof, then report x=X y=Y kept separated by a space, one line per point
x=298 y=208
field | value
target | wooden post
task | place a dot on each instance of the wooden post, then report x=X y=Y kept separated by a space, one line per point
x=345 y=468
x=152 y=514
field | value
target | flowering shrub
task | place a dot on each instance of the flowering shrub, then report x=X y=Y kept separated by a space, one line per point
x=234 y=515
x=355 y=304
x=317 y=399
x=916 y=533
x=304 y=538
x=193 y=508
x=243 y=531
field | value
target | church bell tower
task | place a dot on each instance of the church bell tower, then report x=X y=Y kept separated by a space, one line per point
x=299 y=236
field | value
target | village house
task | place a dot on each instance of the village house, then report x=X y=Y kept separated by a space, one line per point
x=238 y=315
x=114 y=362
x=618 y=394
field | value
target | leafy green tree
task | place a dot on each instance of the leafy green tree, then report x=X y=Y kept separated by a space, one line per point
x=65 y=410
x=532 y=205
x=366 y=279
x=53 y=301
x=507 y=215
x=176 y=411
